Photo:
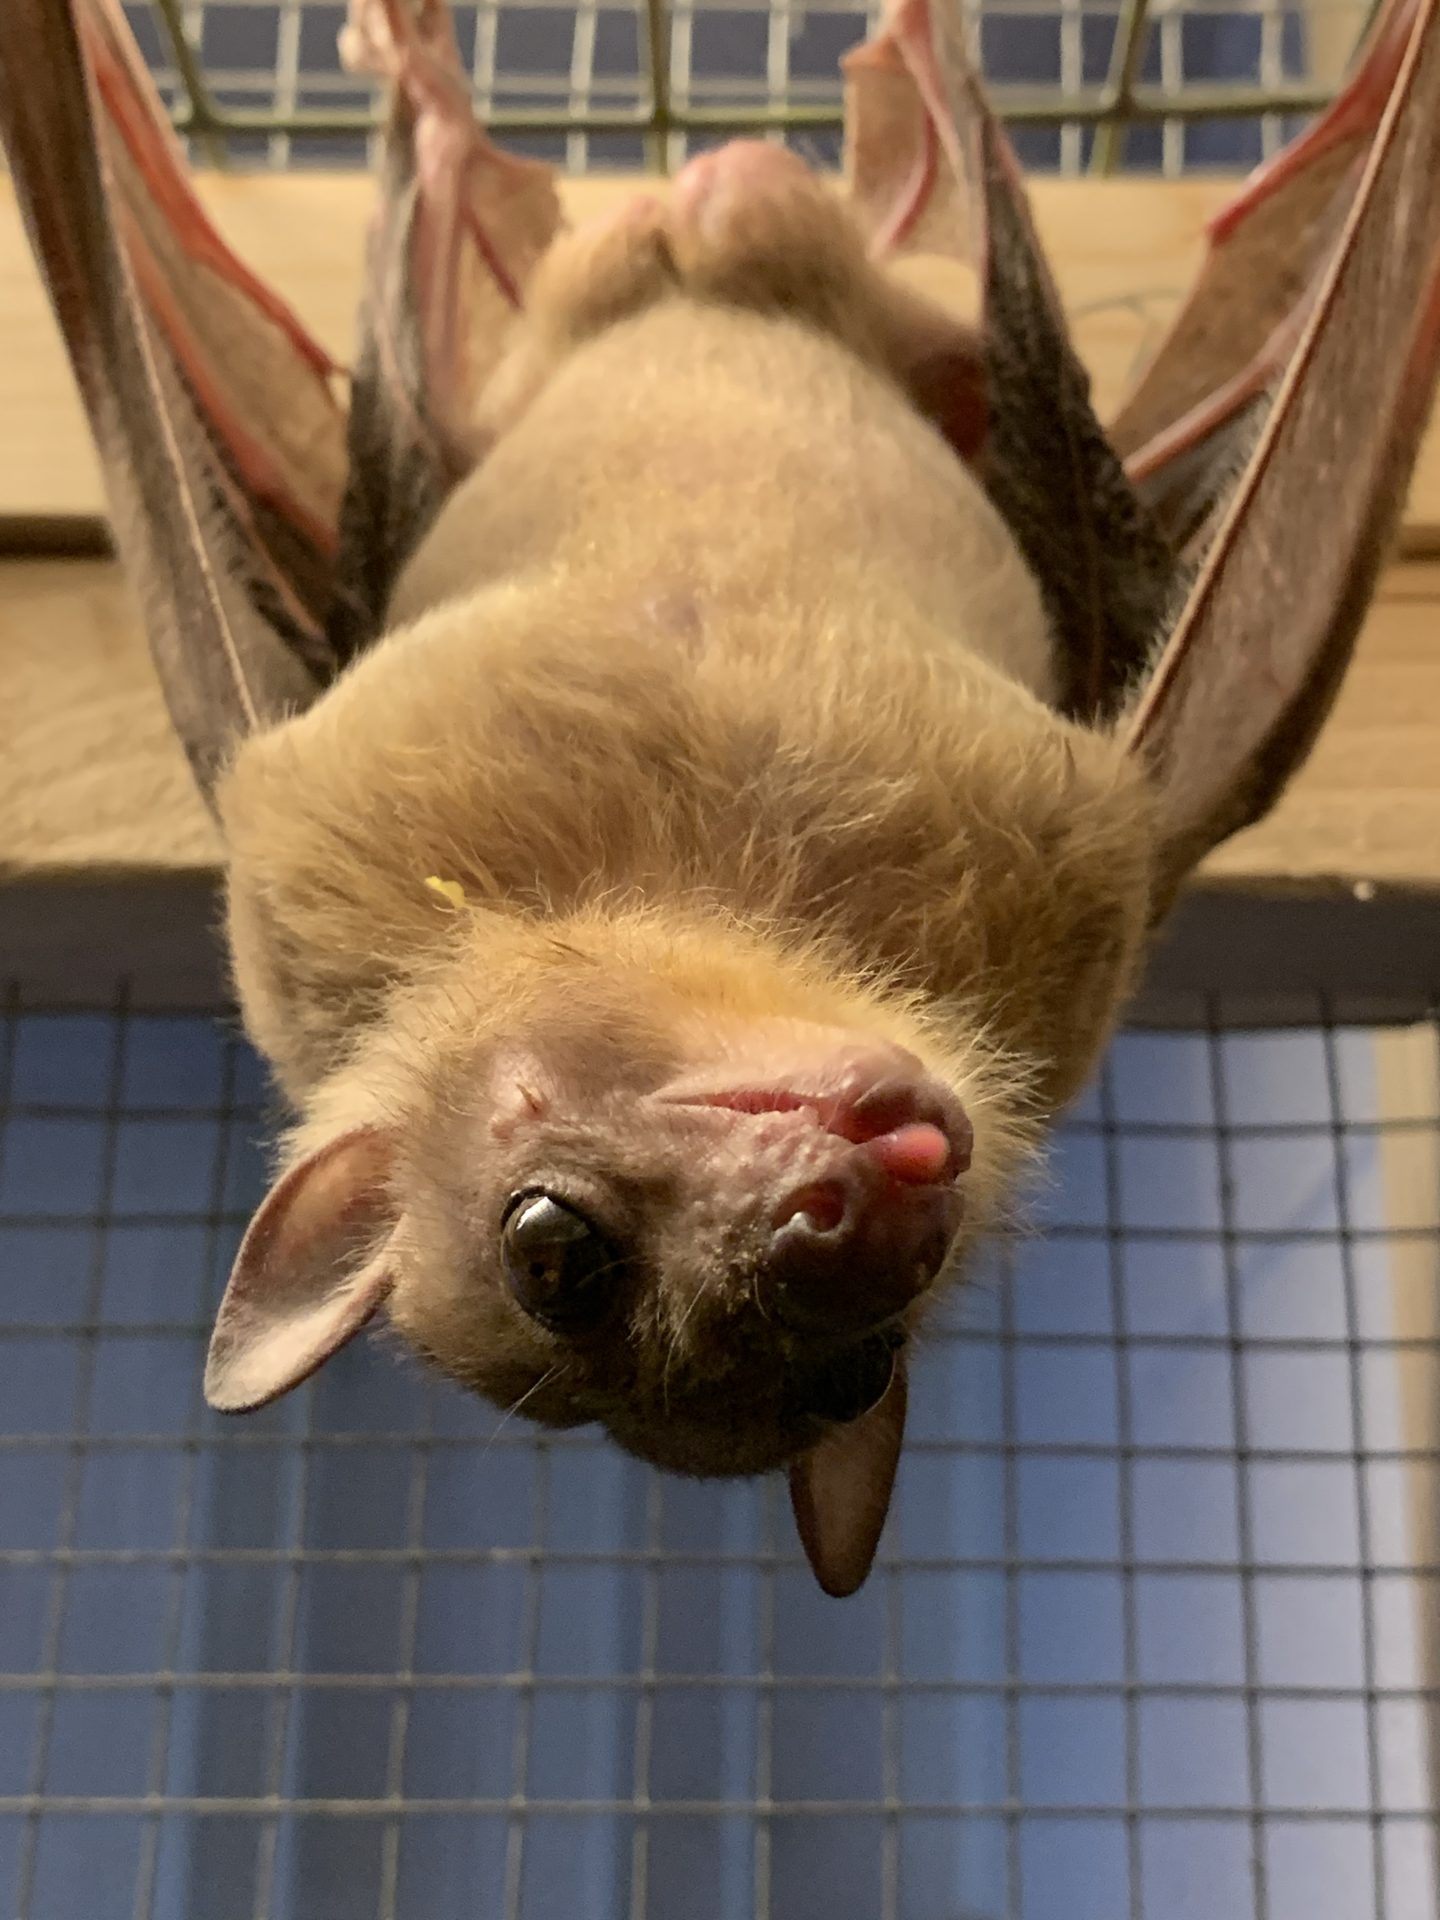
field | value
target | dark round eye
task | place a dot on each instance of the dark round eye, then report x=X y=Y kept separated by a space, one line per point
x=851 y=1383
x=559 y=1268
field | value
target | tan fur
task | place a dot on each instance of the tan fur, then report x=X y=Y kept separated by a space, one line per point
x=720 y=689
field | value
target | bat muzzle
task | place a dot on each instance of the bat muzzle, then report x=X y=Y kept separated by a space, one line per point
x=858 y=1250
x=855 y=1156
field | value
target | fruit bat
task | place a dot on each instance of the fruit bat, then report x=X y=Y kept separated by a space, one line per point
x=702 y=738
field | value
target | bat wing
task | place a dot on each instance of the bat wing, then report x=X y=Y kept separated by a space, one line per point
x=1209 y=600
x=219 y=436
x=930 y=170
x=261 y=518
x=459 y=227
x=1252 y=663
x=1189 y=421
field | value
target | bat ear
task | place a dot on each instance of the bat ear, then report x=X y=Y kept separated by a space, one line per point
x=840 y=1491
x=312 y=1268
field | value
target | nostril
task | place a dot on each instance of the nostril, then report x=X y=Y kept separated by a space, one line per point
x=821 y=1207
x=846 y=1255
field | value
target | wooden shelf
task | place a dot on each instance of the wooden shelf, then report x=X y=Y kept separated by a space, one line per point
x=1123 y=252
x=99 y=826
x=95 y=795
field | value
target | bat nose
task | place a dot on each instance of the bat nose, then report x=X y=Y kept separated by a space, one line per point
x=853 y=1152
x=861 y=1239
x=851 y=1251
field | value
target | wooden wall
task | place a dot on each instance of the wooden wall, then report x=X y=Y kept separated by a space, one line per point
x=94 y=795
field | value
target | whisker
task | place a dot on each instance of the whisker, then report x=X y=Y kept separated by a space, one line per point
x=550 y=1374
x=674 y=1346
x=756 y=1296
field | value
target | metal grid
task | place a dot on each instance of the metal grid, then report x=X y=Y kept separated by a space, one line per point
x=1153 y=1632
x=1168 y=83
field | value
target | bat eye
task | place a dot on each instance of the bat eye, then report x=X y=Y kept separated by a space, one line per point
x=559 y=1268
x=851 y=1383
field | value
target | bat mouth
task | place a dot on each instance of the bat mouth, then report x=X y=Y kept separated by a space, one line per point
x=852 y=1155
x=909 y=1128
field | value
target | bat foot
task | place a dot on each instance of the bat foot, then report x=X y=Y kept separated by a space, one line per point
x=746 y=167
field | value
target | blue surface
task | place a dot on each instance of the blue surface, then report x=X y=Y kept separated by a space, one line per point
x=355 y=1656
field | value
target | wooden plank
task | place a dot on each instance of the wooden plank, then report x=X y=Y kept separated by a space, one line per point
x=100 y=828
x=1366 y=809
x=91 y=778
x=68 y=939
x=1123 y=252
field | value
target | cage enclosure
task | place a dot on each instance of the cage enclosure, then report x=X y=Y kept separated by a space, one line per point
x=1155 y=1627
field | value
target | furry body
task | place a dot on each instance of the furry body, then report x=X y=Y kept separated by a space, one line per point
x=720 y=689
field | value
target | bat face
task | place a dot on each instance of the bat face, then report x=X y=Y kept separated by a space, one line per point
x=693 y=1179
x=605 y=1180
x=713 y=1255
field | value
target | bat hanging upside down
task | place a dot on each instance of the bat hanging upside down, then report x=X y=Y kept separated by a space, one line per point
x=701 y=737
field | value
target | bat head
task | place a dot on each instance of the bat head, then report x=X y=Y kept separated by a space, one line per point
x=708 y=1229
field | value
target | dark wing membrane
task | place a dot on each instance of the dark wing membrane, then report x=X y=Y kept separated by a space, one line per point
x=459 y=227
x=1253 y=663
x=220 y=440
x=931 y=170
x=1199 y=403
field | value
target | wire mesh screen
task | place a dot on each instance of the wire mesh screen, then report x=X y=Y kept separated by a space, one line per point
x=1153 y=1631
x=1199 y=83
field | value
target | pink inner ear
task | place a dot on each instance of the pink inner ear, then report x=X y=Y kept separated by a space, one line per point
x=308 y=1276
x=840 y=1491
x=255 y=1358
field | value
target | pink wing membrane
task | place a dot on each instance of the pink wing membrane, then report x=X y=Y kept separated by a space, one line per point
x=907 y=201
x=458 y=230
x=476 y=219
x=222 y=509
x=930 y=169
x=1253 y=663
x=1268 y=252
x=262 y=384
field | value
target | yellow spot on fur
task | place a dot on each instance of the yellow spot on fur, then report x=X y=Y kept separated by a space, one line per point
x=450 y=890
